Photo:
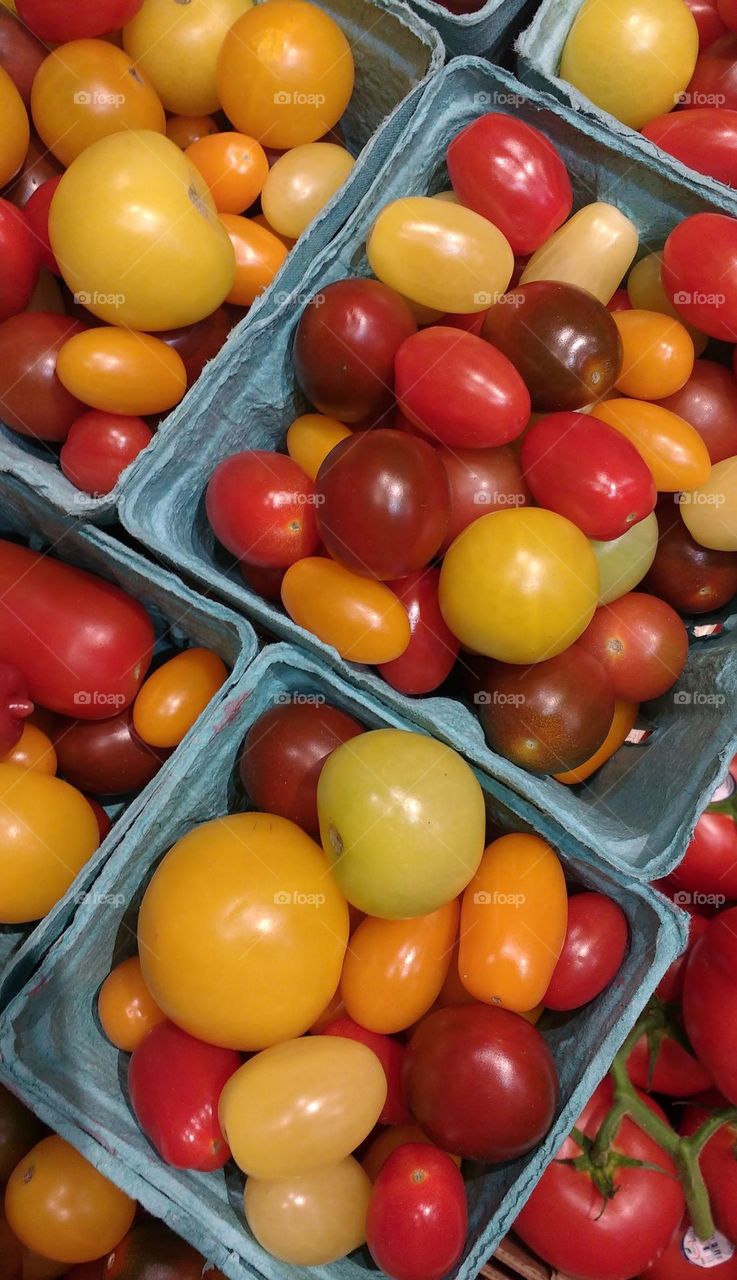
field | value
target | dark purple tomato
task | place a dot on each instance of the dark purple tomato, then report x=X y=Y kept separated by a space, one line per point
x=38 y=166
x=705 y=139
x=481 y=480
x=32 y=399
x=106 y=757
x=432 y=650
x=284 y=752
x=382 y=503
x=588 y=472
x=596 y=941
x=511 y=174
x=198 y=343
x=550 y=717
x=561 y=339
x=99 y=447
x=708 y=402
x=714 y=81
x=689 y=577
x=21 y=54
x=20 y=258
x=459 y=390
x=345 y=345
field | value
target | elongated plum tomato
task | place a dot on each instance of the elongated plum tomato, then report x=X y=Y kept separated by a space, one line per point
x=623 y=562
x=592 y=250
x=459 y=390
x=391 y=789
x=382 y=503
x=588 y=472
x=708 y=401
x=120 y=371
x=710 y=514
x=391 y=1054
x=417 y=1218
x=416 y=243
x=672 y=449
x=100 y=446
x=32 y=399
x=310 y=1219
x=55 y=21
x=641 y=643
x=481 y=481
x=704 y=139
x=657 y=354
x=261 y=507
x=511 y=174
x=432 y=650
x=689 y=577
x=360 y=617
x=21 y=255
x=561 y=340
x=300 y=184
x=125 y=1006
x=345 y=345
x=595 y=945
x=170 y=700
x=700 y=273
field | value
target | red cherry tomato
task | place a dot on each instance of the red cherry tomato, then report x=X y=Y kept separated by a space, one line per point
x=710 y=1001
x=727 y=11
x=104 y=821
x=391 y=1055
x=666 y=1066
x=58 y=21
x=641 y=643
x=417 y=1218
x=21 y=54
x=511 y=174
x=32 y=399
x=700 y=272
x=708 y=402
x=595 y=946
x=261 y=506
x=709 y=21
x=704 y=139
x=714 y=81
x=20 y=258
x=37 y=212
x=432 y=650
x=265 y=582
x=709 y=866
x=471 y=322
x=481 y=480
x=99 y=447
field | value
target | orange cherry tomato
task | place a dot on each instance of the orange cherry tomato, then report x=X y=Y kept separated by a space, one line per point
x=15 y=132
x=394 y=969
x=234 y=167
x=261 y=221
x=126 y=1008
x=170 y=700
x=121 y=371
x=359 y=617
x=388 y=1141
x=513 y=923
x=87 y=90
x=657 y=354
x=184 y=130
x=310 y=439
x=673 y=450
x=625 y=715
x=258 y=256
x=33 y=750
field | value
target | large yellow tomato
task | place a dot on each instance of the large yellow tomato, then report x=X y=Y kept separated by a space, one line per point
x=47 y=833
x=242 y=931
x=87 y=90
x=673 y=449
x=631 y=57
x=120 y=371
x=301 y=183
x=519 y=585
x=312 y=1219
x=134 y=229
x=402 y=820
x=177 y=45
x=285 y=73
x=710 y=512
x=15 y=130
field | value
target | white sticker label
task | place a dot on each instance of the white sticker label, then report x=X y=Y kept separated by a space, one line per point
x=706 y=1253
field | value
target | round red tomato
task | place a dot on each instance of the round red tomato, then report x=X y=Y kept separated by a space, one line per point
x=704 y=139
x=641 y=643
x=200 y=342
x=686 y=1257
x=261 y=507
x=58 y=21
x=727 y=11
x=481 y=480
x=689 y=577
x=36 y=211
x=106 y=757
x=708 y=20
x=32 y=399
x=710 y=1001
x=417 y=1218
x=21 y=54
x=15 y=705
x=459 y=390
x=595 y=945
x=432 y=650
x=20 y=257
x=700 y=272
x=99 y=447
x=670 y=986
x=709 y=866
x=714 y=81
x=708 y=402
x=391 y=1055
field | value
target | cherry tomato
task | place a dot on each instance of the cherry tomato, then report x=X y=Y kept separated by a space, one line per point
x=170 y=700
x=709 y=1002
x=20 y=257
x=33 y=750
x=56 y=21
x=387 y=1141
x=121 y=371
x=258 y=257
x=15 y=705
x=36 y=211
x=539 y=564
x=670 y=986
x=619 y=301
x=391 y=1055
x=662 y=1064
x=38 y=165
x=708 y=20
x=262 y=508
x=713 y=83
x=595 y=945
x=345 y=345
x=592 y=250
x=431 y=653
x=641 y=643
x=481 y=481
x=125 y=1006
x=673 y=450
x=361 y=618
x=310 y=439
x=417 y=1219
x=152 y=1246
x=33 y=401
x=16 y=130
x=99 y=447
x=623 y=562
x=623 y=720
x=709 y=866
x=106 y=757
x=727 y=13
x=233 y=166
x=184 y=130
x=689 y=577
x=700 y=273
x=680 y=1260
x=657 y=355
x=708 y=402
x=645 y=291
x=310 y=1219
x=177 y=46
x=21 y=54
x=197 y=343
x=300 y=184
x=266 y=61
x=710 y=513
x=704 y=139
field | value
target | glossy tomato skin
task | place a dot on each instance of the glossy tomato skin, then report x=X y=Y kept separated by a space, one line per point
x=459 y=390
x=175 y=1082
x=358 y=616
x=718 y=1166
x=56 y=22
x=106 y=757
x=382 y=503
x=460 y=1054
x=710 y=863
x=710 y=1001
x=102 y=638
x=261 y=507
x=704 y=139
x=595 y=945
x=21 y=54
x=700 y=272
x=561 y=339
x=126 y=1009
x=432 y=650
x=283 y=755
x=391 y=1055
x=100 y=446
x=32 y=399
x=480 y=480
x=417 y=1219
x=714 y=81
x=708 y=402
x=679 y=1260
x=200 y=342
x=15 y=705
x=667 y=1068
x=20 y=256
x=641 y=643
x=709 y=21
x=593 y=476
x=691 y=578
x=511 y=174
x=345 y=346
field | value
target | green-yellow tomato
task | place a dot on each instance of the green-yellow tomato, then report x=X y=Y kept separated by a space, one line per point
x=623 y=562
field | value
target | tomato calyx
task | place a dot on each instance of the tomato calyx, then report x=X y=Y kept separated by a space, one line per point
x=602 y=1165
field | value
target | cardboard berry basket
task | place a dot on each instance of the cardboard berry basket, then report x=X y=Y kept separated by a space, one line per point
x=639 y=809
x=395 y=52
x=485 y=32
x=54 y=1055
x=181 y=618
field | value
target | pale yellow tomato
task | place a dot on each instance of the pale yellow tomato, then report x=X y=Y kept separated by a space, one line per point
x=170 y=700
x=312 y=1219
x=310 y=439
x=15 y=130
x=120 y=371
x=300 y=184
x=593 y=250
x=177 y=46
x=624 y=561
x=673 y=449
x=710 y=512
x=438 y=254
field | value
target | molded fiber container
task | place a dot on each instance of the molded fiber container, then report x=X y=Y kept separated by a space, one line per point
x=639 y=809
x=181 y=618
x=485 y=32
x=54 y=1055
x=395 y=52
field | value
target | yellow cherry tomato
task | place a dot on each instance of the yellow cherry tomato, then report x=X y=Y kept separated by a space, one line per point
x=519 y=585
x=513 y=923
x=243 y=904
x=47 y=833
x=120 y=371
x=593 y=250
x=438 y=254
x=632 y=58
x=258 y=256
x=177 y=45
x=301 y=183
x=646 y=292
x=234 y=167
x=299 y=1106
x=673 y=449
x=657 y=354
x=33 y=750
x=390 y=790
x=359 y=617
x=394 y=970
x=388 y=1140
x=624 y=561
x=184 y=130
x=285 y=73
x=88 y=90
x=58 y=1205
x=623 y=720
x=310 y=439
x=15 y=132
x=710 y=512
x=311 y=1219
x=149 y=252
x=126 y=1008
x=170 y=700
